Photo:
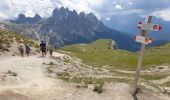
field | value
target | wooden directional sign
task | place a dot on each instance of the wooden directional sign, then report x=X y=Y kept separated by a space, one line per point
x=142 y=39
x=149 y=26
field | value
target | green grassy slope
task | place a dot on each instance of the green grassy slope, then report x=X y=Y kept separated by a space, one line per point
x=157 y=55
x=18 y=28
x=7 y=38
x=99 y=54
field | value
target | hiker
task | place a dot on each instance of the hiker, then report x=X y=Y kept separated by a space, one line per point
x=43 y=48
x=21 y=50
x=46 y=51
x=27 y=50
x=51 y=49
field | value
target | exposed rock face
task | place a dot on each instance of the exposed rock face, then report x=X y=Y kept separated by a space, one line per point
x=22 y=19
x=68 y=27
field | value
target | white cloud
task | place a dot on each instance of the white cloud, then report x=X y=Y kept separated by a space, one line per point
x=11 y=8
x=164 y=14
x=3 y=16
x=45 y=7
x=119 y=7
x=130 y=3
x=107 y=18
x=101 y=8
x=82 y=5
x=114 y=2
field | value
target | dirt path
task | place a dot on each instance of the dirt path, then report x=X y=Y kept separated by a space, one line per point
x=32 y=84
x=160 y=81
x=30 y=81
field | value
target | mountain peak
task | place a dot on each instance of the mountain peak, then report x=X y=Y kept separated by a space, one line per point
x=67 y=27
x=82 y=14
x=62 y=9
x=22 y=19
x=37 y=16
x=91 y=15
x=21 y=16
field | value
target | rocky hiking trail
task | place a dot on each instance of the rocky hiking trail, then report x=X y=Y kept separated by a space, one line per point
x=25 y=79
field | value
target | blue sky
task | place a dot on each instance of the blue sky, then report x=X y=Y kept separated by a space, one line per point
x=101 y=8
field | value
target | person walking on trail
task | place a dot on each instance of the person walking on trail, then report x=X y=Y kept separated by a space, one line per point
x=21 y=50
x=51 y=49
x=27 y=50
x=43 y=48
x=46 y=51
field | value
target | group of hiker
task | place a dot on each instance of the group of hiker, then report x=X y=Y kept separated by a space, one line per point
x=24 y=49
x=44 y=49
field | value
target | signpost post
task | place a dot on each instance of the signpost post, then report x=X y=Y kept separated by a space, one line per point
x=144 y=28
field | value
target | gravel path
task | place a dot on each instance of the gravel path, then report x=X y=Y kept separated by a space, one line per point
x=32 y=84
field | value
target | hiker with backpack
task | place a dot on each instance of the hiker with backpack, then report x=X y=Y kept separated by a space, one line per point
x=43 y=48
x=27 y=50
x=51 y=49
x=21 y=50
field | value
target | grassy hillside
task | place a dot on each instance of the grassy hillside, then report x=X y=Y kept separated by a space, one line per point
x=99 y=53
x=15 y=27
x=157 y=55
x=7 y=38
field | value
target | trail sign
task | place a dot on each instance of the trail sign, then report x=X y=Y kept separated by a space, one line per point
x=142 y=39
x=149 y=26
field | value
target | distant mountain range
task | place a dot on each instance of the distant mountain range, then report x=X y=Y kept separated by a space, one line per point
x=128 y=23
x=22 y=19
x=66 y=27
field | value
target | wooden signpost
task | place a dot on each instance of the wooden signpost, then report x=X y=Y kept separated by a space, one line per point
x=143 y=38
x=149 y=26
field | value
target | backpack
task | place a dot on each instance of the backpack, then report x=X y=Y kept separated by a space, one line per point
x=27 y=48
x=51 y=49
x=21 y=49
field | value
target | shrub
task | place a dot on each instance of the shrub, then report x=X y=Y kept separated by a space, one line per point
x=51 y=64
x=98 y=88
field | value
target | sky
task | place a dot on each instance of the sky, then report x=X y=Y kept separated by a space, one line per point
x=103 y=9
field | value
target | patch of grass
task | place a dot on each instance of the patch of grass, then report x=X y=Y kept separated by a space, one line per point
x=15 y=28
x=157 y=55
x=66 y=60
x=88 y=80
x=167 y=84
x=50 y=67
x=99 y=53
x=6 y=38
x=50 y=70
x=98 y=88
x=116 y=73
x=153 y=76
x=145 y=76
x=51 y=64
x=3 y=48
x=64 y=76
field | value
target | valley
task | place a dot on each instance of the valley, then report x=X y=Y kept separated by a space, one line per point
x=75 y=71
x=66 y=27
x=84 y=50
